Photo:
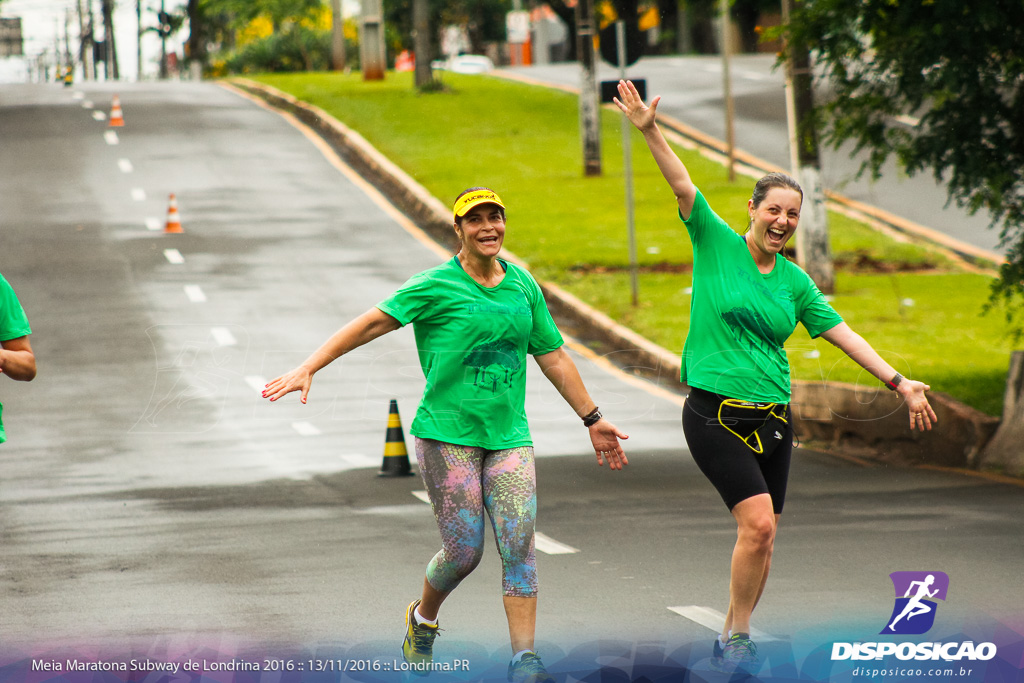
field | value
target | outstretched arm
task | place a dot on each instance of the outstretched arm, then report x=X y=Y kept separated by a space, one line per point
x=362 y=330
x=643 y=117
x=856 y=347
x=17 y=360
x=558 y=367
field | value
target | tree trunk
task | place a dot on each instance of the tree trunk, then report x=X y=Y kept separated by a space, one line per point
x=1006 y=449
x=421 y=42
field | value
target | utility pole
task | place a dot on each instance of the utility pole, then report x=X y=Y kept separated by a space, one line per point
x=138 y=39
x=85 y=45
x=337 y=36
x=812 y=248
x=730 y=107
x=108 y=40
x=421 y=41
x=371 y=40
x=590 y=128
x=163 y=41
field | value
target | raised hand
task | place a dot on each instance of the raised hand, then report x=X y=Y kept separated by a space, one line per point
x=639 y=114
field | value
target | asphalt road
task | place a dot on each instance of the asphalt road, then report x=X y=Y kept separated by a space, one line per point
x=151 y=505
x=691 y=90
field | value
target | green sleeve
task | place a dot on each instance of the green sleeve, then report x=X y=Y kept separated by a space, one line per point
x=13 y=321
x=703 y=224
x=816 y=314
x=412 y=300
x=544 y=337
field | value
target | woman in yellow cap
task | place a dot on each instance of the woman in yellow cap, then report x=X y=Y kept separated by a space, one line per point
x=475 y=318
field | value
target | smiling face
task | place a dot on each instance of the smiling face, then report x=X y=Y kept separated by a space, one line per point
x=772 y=222
x=482 y=231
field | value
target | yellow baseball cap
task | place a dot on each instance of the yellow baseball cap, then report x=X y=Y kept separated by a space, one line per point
x=467 y=201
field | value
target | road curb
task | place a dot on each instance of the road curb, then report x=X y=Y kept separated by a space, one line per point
x=833 y=414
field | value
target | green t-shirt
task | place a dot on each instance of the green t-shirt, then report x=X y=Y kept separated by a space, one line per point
x=13 y=324
x=740 y=318
x=472 y=342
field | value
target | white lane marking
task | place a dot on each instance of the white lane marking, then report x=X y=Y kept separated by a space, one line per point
x=257 y=382
x=908 y=120
x=422 y=495
x=78 y=95
x=223 y=336
x=153 y=223
x=195 y=294
x=99 y=116
x=174 y=256
x=111 y=137
x=715 y=620
x=754 y=76
x=125 y=165
x=305 y=428
x=360 y=461
x=138 y=194
x=550 y=546
x=87 y=104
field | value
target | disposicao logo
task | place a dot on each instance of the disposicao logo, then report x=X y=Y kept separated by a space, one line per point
x=916 y=592
x=914 y=614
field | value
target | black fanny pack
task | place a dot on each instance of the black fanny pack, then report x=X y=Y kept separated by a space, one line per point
x=761 y=426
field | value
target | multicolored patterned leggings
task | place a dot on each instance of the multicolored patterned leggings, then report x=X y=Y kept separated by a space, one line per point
x=463 y=481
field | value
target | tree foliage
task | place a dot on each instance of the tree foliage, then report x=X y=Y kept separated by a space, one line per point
x=957 y=66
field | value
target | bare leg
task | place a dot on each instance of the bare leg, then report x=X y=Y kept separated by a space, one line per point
x=430 y=601
x=751 y=559
x=522 y=621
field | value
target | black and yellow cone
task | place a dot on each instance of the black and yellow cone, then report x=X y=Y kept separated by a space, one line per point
x=396 y=458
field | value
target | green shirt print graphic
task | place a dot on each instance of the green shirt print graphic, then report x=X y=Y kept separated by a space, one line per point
x=494 y=362
x=472 y=343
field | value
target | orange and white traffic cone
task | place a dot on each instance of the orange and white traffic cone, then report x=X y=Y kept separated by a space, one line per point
x=116 y=117
x=173 y=221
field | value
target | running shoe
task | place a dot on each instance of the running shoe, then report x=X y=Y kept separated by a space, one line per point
x=718 y=651
x=418 y=648
x=529 y=669
x=739 y=654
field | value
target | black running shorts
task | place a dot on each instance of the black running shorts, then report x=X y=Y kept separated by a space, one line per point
x=730 y=464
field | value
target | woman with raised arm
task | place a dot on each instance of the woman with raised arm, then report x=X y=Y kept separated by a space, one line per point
x=747 y=300
x=475 y=318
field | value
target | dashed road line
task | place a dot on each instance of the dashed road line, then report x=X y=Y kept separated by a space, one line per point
x=111 y=137
x=422 y=495
x=174 y=256
x=360 y=461
x=99 y=116
x=125 y=165
x=715 y=620
x=153 y=223
x=195 y=294
x=306 y=428
x=257 y=382
x=550 y=546
x=223 y=336
x=138 y=194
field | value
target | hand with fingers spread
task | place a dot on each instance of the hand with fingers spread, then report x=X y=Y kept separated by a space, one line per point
x=605 y=438
x=922 y=416
x=631 y=104
x=299 y=379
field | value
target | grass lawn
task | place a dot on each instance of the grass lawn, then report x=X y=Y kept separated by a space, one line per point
x=524 y=142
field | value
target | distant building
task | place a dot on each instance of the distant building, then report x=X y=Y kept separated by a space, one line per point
x=11 y=43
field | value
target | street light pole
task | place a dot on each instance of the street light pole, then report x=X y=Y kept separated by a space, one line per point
x=590 y=129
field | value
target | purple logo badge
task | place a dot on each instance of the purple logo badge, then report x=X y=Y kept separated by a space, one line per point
x=916 y=592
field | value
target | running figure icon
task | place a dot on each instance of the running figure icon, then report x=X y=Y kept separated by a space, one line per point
x=915 y=606
x=916 y=595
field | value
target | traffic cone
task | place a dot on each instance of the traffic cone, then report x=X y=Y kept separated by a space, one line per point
x=396 y=458
x=173 y=221
x=116 y=117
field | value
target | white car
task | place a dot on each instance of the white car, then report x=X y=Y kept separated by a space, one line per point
x=464 y=64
